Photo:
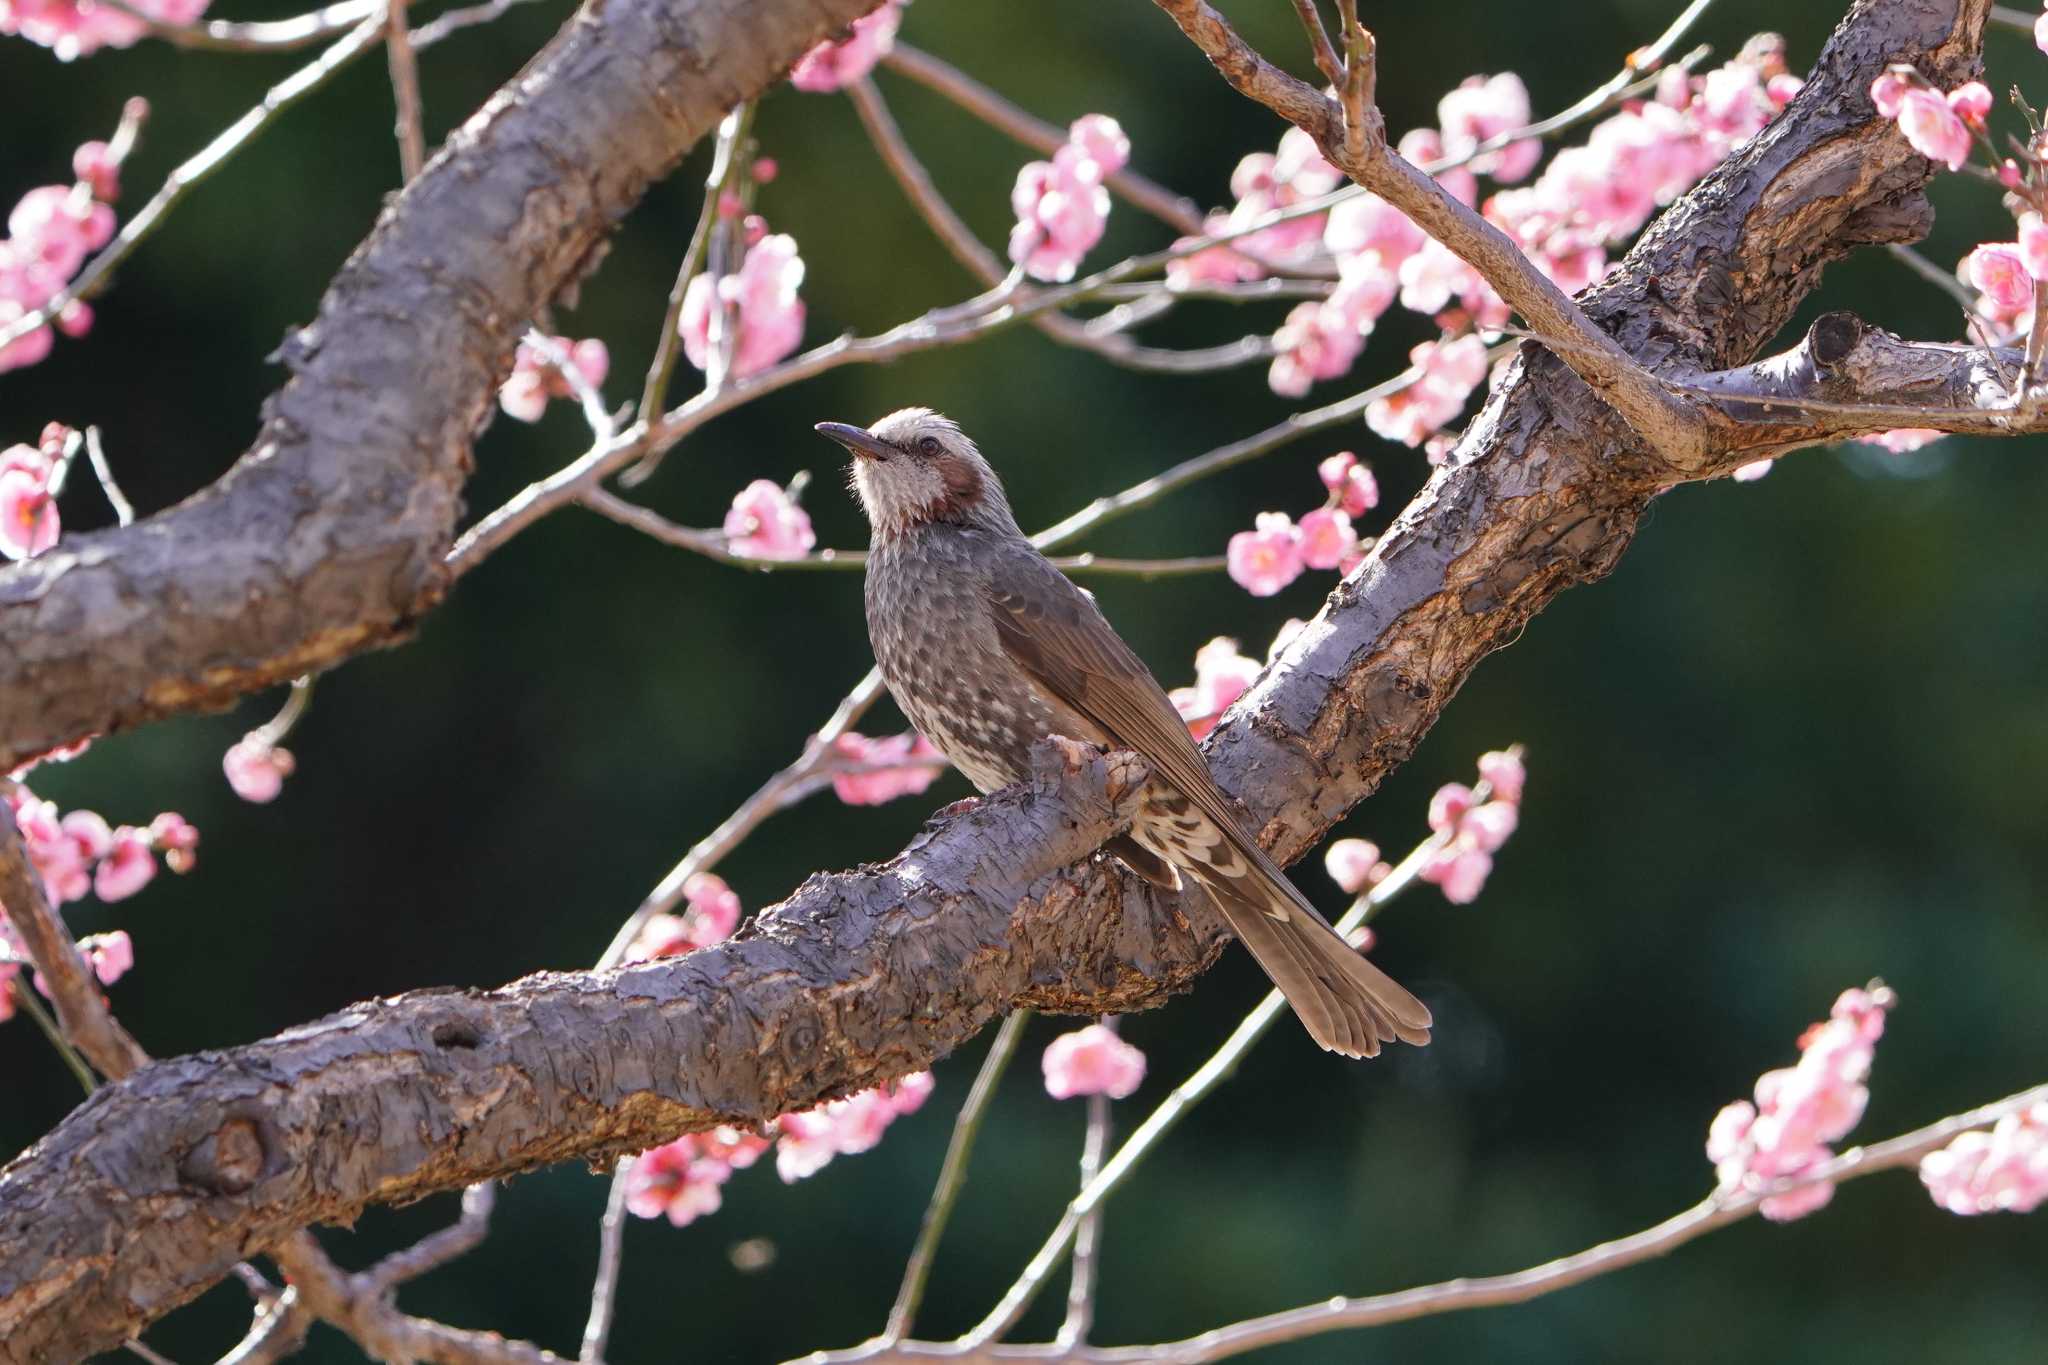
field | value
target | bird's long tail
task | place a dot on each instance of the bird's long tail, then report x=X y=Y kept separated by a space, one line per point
x=1347 y=1004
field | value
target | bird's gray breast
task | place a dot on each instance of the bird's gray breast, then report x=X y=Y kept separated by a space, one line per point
x=929 y=622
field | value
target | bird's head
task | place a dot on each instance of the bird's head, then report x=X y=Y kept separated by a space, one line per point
x=915 y=467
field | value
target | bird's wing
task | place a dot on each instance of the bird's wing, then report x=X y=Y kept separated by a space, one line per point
x=1055 y=633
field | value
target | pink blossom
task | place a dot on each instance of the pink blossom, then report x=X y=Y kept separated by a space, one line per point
x=902 y=765
x=1904 y=439
x=1450 y=371
x=1367 y=225
x=1266 y=559
x=128 y=866
x=1888 y=92
x=1266 y=182
x=2041 y=33
x=1352 y=486
x=2033 y=245
x=2002 y=1171
x=1316 y=341
x=676 y=1182
x=28 y=514
x=1933 y=128
x=833 y=65
x=761 y=299
x=78 y=28
x=1999 y=270
x=176 y=839
x=536 y=378
x=1062 y=204
x=1468 y=832
x=764 y=522
x=1092 y=1061
x=1503 y=771
x=1424 y=147
x=98 y=170
x=1210 y=265
x=1483 y=108
x=112 y=955
x=713 y=911
x=1751 y=472
x=256 y=768
x=1222 y=675
x=1799 y=1110
x=1327 y=539
x=1971 y=102
x=807 y=1141
x=1354 y=864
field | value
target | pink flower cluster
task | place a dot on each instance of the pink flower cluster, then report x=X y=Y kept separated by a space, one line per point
x=1222 y=675
x=29 y=523
x=711 y=912
x=765 y=522
x=1355 y=865
x=1801 y=1109
x=831 y=65
x=1483 y=108
x=759 y=299
x=78 y=28
x=684 y=1180
x=806 y=1142
x=1940 y=127
x=79 y=852
x=536 y=377
x=256 y=767
x=2005 y=274
x=885 y=768
x=1277 y=549
x=1451 y=370
x=1062 y=204
x=1470 y=831
x=50 y=234
x=1092 y=1061
x=2002 y=1171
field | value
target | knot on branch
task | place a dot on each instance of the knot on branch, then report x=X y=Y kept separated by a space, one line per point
x=229 y=1160
x=1832 y=339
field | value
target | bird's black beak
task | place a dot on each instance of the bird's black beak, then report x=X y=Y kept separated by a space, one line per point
x=863 y=443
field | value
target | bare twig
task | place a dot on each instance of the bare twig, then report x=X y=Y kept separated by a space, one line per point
x=124 y=511
x=455 y=20
x=1326 y=58
x=25 y=997
x=953 y=1173
x=437 y=1249
x=725 y=163
x=2014 y=18
x=611 y=1255
x=279 y=35
x=405 y=91
x=1088 y=1237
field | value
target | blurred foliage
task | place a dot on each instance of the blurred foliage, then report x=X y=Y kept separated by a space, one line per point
x=1794 y=742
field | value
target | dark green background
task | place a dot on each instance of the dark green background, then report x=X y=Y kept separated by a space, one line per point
x=1796 y=741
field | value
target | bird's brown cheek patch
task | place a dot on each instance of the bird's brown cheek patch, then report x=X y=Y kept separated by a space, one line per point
x=962 y=480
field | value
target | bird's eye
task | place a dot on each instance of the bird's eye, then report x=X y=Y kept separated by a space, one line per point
x=928 y=445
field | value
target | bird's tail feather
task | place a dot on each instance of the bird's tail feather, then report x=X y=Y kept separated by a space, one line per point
x=1347 y=1004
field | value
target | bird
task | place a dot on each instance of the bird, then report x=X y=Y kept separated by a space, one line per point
x=988 y=649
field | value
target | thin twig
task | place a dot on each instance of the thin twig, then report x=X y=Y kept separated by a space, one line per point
x=953 y=1173
x=1088 y=1237
x=25 y=997
x=2014 y=18
x=716 y=545
x=136 y=1348
x=1319 y=42
x=124 y=511
x=279 y=35
x=455 y=20
x=725 y=162
x=405 y=92
x=1927 y=270
x=604 y=1288
x=437 y=1249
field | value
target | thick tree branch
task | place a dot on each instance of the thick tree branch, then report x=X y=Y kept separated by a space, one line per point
x=330 y=535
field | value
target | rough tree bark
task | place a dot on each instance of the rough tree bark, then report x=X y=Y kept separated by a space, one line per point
x=154 y=1186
